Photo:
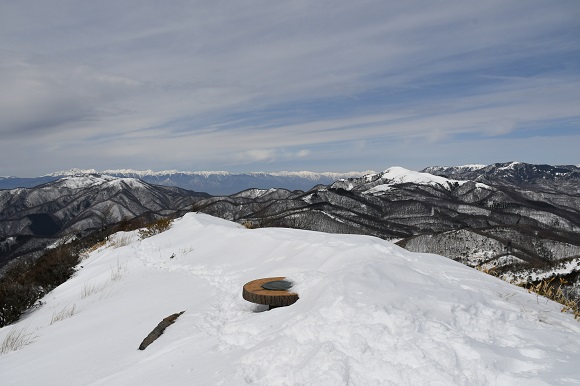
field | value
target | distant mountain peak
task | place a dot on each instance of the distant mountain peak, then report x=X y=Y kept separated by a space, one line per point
x=396 y=175
x=399 y=175
x=71 y=172
x=516 y=174
x=83 y=180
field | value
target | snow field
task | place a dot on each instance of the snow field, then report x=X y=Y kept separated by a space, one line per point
x=370 y=313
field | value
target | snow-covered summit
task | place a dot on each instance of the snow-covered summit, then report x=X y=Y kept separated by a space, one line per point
x=254 y=193
x=152 y=173
x=453 y=169
x=317 y=175
x=83 y=181
x=391 y=177
x=369 y=313
x=399 y=175
x=89 y=180
x=72 y=172
x=510 y=165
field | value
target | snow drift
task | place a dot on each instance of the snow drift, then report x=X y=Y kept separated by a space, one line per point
x=369 y=313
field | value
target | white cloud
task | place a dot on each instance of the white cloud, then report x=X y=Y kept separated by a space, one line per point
x=302 y=153
x=256 y=155
x=268 y=81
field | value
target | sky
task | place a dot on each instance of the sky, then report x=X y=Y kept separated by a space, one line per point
x=261 y=85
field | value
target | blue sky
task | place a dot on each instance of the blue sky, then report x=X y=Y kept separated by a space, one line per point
x=302 y=85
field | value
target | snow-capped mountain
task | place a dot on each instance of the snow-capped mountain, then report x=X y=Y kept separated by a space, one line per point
x=514 y=174
x=517 y=231
x=377 y=183
x=524 y=224
x=369 y=312
x=78 y=204
x=216 y=183
x=517 y=175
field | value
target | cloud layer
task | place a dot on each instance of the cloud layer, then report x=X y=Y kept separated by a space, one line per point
x=262 y=85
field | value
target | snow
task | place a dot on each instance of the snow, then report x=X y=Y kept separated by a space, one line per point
x=471 y=166
x=84 y=181
x=398 y=175
x=510 y=166
x=560 y=270
x=369 y=313
x=142 y=173
x=317 y=175
x=72 y=172
x=120 y=183
x=455 y=169
x=483 y=186
x=77 y=182
x=379 y=189
x=254 y=193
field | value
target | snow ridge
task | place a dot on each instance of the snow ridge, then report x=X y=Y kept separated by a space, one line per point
x=143 y=173
x=369 y=313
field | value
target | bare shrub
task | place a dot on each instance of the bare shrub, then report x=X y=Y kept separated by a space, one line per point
x=155 y=228
x=121 y=240
x=24 y=284
x=16 y=298
x=250 y=225
x=96 y=246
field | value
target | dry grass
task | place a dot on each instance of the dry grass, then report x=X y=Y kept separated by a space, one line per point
x=118 y=270
x=487 y=269
x=120 y=240
x=548 y=289
x=92 y=288
x=96 y=246
x=114 y=241
x=155 y=228
x=64 y=314
x=16 y=339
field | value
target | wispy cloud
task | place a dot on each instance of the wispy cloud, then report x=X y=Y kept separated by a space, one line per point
x=261 y=84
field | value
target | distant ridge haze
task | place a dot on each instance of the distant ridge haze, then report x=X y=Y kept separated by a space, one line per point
x=221 y=183
x=212 y=182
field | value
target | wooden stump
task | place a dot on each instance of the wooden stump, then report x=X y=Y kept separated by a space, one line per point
x=253 y=292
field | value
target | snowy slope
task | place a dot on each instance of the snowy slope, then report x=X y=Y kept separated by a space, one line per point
x=370 y=313
x=398 y=175
x=377 y=184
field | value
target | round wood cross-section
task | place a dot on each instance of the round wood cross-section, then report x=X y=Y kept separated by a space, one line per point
x=255 y=293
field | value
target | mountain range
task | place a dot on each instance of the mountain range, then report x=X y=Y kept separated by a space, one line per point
x=31 y=218
x=215 y=183
x=517 y=220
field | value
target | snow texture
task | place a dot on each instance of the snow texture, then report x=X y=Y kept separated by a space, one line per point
x=398 y=175
x=369 y=313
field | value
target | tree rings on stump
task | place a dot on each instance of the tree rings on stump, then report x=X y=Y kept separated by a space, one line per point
x=257 y=292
